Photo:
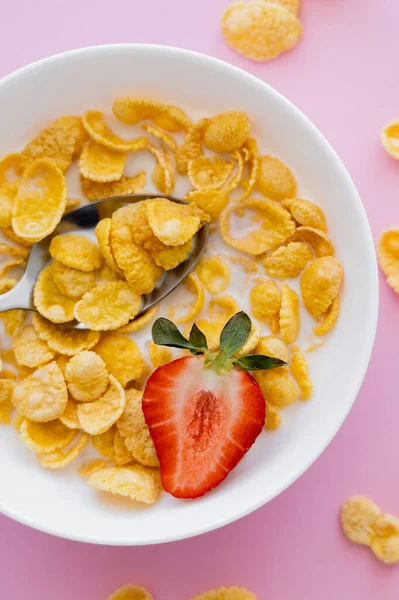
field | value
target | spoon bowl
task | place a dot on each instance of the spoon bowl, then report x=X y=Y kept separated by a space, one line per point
x=84 y=220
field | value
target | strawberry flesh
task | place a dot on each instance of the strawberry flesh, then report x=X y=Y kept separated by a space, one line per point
x=201 y=423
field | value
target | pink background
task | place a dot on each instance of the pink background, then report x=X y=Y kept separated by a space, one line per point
x=343 y=76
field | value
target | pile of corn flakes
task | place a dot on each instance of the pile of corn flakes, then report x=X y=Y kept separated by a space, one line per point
x=64 y=388
x=135 y=592
x=363 y=523
x=261 y=29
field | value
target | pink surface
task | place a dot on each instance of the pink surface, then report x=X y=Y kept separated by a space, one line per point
x=343 y=78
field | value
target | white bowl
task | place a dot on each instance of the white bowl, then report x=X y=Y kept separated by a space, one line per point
x=60 y=502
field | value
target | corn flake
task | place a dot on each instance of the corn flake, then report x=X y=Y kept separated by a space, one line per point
x=388 y=257
x=306 y=213
x=212 y=202
x=174 y=224
x=8 y=192
x=275 y=179
x=300 y=373
x=209 y=173
x=13 y=320
x=6 y=405
x=29 y=349
x=94 y=190
x=76 y=251
x=71 y=282
x=59 y=458
x=358 y=515
x=273 y=418
x=103 y=232
x=277 y=387
x=98 y=416
x=191 y=147
x=93 y=122
x=328 y=319
x=260 y=30
x=390 y=138
x=251 y=342
x=7 y=284
x=227 y=593
x=108 y=306
x=46 y=437
x=265 y=300
x=40 y=201
x=170 y=257
x=385 y=544
x=248 y=184
x=271 y=345
x=49 y=301
x=72 y=204
x=289 y=314
x=123 y=456
x=317 y=239
x=320 y=284
x=227 y=131
x=104 y=443
x=122 y=357
x=13 y=251
x=91 y=466
x=139 y=268
x=288 y=261
x=235 y=181
x=10 y=234
x=70 y=416
x=194 y=286
x=172 y=119
x=63 y=340
x=133 y=110
x=167 y=139
x=214 y=273
x=99 y=163
x=86 y=376
x=134 y=430
x=139 y=322
x=130 y=592
x=136 y=482
x=164 y=179
x=43 y=395
x=159 y=355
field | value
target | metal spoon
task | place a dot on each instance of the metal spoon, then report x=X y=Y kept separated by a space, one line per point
x=85 y=219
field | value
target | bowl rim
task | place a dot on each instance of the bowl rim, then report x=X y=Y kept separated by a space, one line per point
x=370 y=261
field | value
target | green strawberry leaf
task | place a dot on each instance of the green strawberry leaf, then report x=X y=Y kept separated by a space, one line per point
x=234 y=335
x=258 y=362
x=165 y=333
x=198 y=339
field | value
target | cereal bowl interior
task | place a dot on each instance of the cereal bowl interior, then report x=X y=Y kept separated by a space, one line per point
x=59 y=501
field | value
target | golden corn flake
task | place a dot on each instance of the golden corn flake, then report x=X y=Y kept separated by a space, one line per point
x=388 y=257
x=159 y=355
x=133 y=110
x=86 y=376
x=273 y=418
x=7 y=284
x=260 y=30
x=385 y=544
x=300 y=372
x=18 y=420
x=61 y=458
x=72 y=204
x=306 y=213
x=10 y=234
x=130 y=592
x=8 y=193
x=104 y=443
x=169 y=258
x=70 y=416
x=10 y=265
x=213 y=202
x=227 y=131
x=99 y=163
x=194 y=286
x=390 y=139
x=13 y=320
x=209 y=173
x=10 y=167
x=214 y=273
x=76 y=251
x=251 y=343
x=167 y=139
x=273 y=346
x=289 y=314
x=71 y=282
x=94 y=190
x=191 y=147
x=6 y=405
x=123 y=456
x=136 y=482
x=93 y=122
x=103 y=232
x=328 y=319
x=235 y=181
x=139 y=268
x=227 y=593
x=49 y=301
x=174 y=224
x=134 y=430
x=265 y=300
x=13 y=251
x=358 y=515
x=91 y=466
x=288 y=261
x=276 y=226
x=63 y=340
x=142 y=233
x=317 y=239
x=165 y=181
x=139 y=322
x=43 y=395
x=320 y=284
x=122 y=357
x=61 y=142
x=222 y=308
x=40 y=201
x=29 y=349
x=106 y=274
x=108 y=306
x=277 y=387
x=46 y=437
x=97 y=417
x=275 y=180
x=172 y=119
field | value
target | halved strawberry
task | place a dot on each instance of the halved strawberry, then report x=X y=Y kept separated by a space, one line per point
x=203 y=412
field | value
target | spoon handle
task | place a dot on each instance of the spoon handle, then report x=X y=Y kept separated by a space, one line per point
x=18 y=297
